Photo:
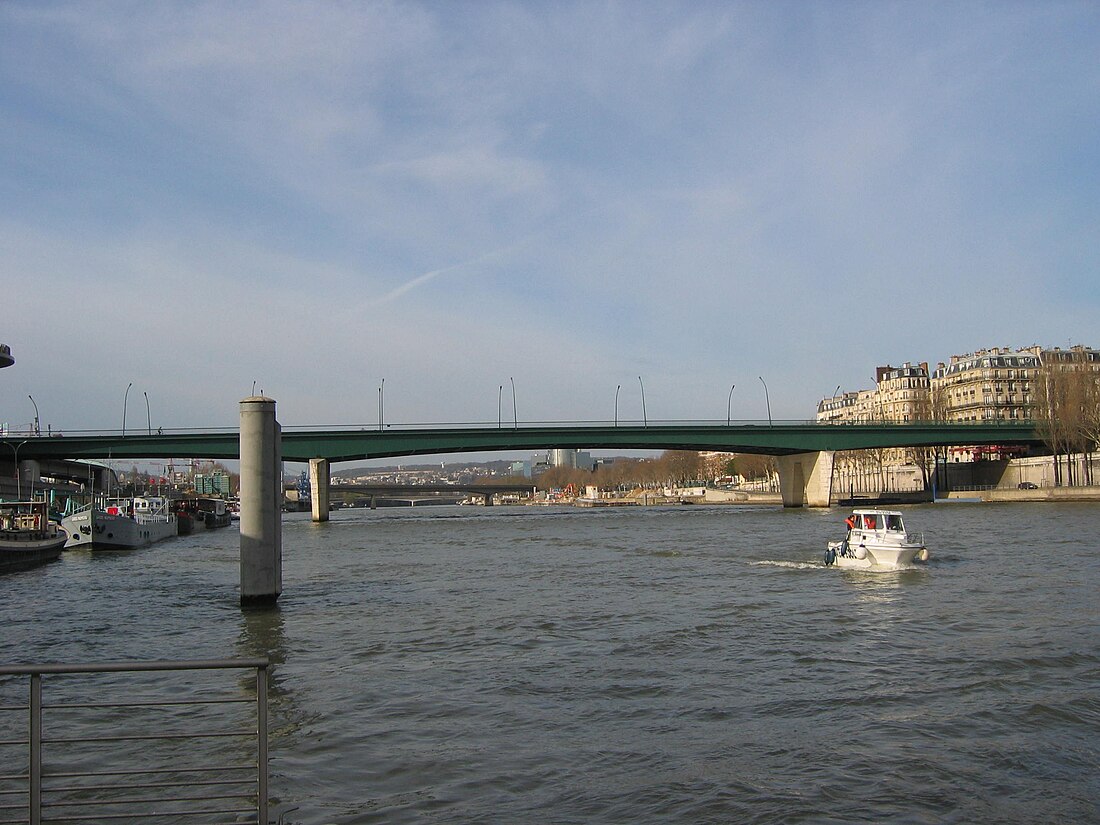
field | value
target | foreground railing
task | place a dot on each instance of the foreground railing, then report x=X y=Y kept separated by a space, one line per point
x=163 y=740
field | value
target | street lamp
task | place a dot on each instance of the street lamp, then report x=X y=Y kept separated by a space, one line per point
x=500 y=394
x=729 y=402
x=381 y=403
x=37 y=426
x=148 y=417
x=617 y=388
x=515 y=418
x=125 y=398
x=767 y=399
x=645 y=421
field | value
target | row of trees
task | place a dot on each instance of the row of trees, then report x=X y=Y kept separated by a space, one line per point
x=673 y=467
x=1067 y=410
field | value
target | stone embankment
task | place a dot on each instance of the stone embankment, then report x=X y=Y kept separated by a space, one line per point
x=714 y=496
x=1055 y=494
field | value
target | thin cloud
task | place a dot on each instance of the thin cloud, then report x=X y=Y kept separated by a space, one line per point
x=680 y=190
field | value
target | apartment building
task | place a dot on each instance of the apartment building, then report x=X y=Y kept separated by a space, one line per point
x=988 y=385
x=901 y=394
x=995 y=384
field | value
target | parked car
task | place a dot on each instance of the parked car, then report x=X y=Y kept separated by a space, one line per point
x=1027 y=485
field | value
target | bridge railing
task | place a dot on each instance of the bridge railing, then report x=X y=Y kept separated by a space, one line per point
x=12 y=434
x=134 y=741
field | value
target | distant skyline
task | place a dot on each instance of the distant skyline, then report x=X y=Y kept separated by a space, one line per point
x=309 y=198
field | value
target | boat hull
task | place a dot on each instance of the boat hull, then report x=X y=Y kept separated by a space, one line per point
x=23 y=554
x=27 y=536
x=871 y=556
x=105 y=531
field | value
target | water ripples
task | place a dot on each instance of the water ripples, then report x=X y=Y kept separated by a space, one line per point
x=657 y=665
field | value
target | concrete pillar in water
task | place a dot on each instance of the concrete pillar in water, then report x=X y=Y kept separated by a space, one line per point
x=318 y=487
x=261 y=493
x=806 y=479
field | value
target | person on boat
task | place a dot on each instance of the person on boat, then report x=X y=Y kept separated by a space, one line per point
x=869 y=522
x=851 y=522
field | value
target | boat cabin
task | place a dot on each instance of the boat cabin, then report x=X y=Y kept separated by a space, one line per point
x=23 y=516
x=877 y=520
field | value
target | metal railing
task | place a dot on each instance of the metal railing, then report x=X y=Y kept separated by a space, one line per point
x=153 y=747
x=26 y=431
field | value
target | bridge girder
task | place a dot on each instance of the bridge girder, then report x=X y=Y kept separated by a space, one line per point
x=358 y=445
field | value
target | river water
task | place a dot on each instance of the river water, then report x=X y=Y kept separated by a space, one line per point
x=656 y=665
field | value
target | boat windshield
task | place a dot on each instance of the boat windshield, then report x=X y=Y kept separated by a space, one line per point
x=893 y=522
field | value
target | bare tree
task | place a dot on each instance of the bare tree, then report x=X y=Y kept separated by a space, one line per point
x=1065 y=404
x=682 y=466
x=929 y=407
x=1090 y=420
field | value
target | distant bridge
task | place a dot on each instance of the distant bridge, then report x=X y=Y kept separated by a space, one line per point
x=376 y=491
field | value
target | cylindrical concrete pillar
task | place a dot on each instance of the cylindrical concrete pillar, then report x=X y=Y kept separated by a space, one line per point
x=260 y=494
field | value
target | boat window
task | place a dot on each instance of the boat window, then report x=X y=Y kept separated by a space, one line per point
x=869 y=522
x=893 y=523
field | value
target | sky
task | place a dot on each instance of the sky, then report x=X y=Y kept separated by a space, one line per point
x=584 y=201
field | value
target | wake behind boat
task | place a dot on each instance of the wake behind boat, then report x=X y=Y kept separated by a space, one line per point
x=27 y=536
x=120 y=524
x=877 y=540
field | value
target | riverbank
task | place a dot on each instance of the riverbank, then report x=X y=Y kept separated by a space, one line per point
x=1047 y=494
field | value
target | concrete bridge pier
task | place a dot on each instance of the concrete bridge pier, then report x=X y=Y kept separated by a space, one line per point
x=319 y=478
x=806 y=479
x=261 y=493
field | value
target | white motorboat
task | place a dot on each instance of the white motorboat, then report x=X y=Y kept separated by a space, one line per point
x=120 y=524
x=876 y=540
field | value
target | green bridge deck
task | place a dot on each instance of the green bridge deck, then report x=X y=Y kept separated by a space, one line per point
x=338 y=445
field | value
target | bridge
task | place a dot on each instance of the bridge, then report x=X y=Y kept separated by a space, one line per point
x=337 y=445
x=804 y=454
x=797 y=445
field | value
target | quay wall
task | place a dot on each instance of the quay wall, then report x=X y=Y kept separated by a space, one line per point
x=1052 y=494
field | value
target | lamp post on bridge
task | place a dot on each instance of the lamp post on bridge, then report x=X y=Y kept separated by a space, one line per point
x=515 y=417
x=381 y=403
x=148 y=417
x=125 y=399
x=767 y=399
x=729 y=402
x=617 y=388
x=37 y=425
x=500 y=394
x=645 y=421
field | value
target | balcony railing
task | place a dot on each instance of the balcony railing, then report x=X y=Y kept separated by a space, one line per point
x=134 y=741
